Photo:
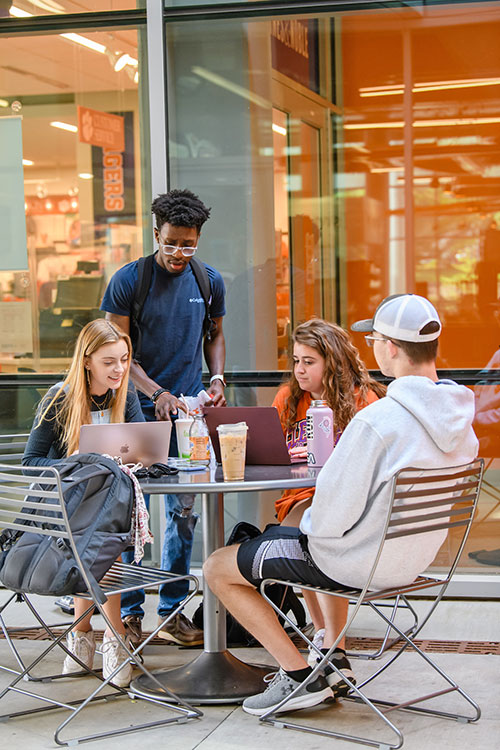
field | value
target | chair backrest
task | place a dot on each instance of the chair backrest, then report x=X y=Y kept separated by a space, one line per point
x=19 y=486
x=12 y=448
x=427 y=500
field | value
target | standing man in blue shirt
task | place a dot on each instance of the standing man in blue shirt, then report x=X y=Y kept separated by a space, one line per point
x=172 y=342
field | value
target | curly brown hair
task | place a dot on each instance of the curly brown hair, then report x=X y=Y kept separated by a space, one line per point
x=346 y=381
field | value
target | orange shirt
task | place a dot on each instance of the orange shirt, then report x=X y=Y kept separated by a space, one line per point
x=297 y=436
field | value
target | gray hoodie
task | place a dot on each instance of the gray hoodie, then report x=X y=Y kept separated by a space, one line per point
x=419 y=423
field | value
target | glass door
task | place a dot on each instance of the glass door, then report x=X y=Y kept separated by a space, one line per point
x=300 y=205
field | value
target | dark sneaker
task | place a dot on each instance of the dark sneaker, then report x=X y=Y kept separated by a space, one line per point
x=282 y=685
x=133 y=628
x=335 y=681
x=181 y=631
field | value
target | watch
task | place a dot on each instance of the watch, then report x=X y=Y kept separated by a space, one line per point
x=218 y=377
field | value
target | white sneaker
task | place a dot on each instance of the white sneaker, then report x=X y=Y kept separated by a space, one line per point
x=112 y=655
x=312 y=657
x=82 y=645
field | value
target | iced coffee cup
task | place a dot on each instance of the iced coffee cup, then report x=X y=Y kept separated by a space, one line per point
x=182 y=427
x=233 y=443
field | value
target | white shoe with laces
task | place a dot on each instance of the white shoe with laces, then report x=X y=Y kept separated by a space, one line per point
x=112 y=655
x=312 y=657
x=82 y=645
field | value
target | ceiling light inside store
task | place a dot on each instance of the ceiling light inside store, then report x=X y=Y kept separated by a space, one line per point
x=86 y=176
x=422 y=123
x=85 y=42
x=18 y=13
x=394 y=89
x=49 y=5
x=76 y=38
x=124 y=59
x=46 y=5
x=380 y=170
x=28 y=163
x=64 y=126
x=416 y=181
x=278 y=129
x=4 y=103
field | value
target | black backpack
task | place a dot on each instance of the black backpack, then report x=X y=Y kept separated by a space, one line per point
x=280 y=593
x=99 y=499
x=144 y=276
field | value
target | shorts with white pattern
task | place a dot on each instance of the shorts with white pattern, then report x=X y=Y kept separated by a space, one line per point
x=281 y=552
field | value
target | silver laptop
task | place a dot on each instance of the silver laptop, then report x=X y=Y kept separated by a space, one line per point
x=144 y=442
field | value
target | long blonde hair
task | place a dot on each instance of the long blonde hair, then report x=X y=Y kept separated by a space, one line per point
x=346 y=381
x=72 y=399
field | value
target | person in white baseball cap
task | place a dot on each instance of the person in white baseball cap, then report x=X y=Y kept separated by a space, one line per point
x=404 y=317
x=422 y=421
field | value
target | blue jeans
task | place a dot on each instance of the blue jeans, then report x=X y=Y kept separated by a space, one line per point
x=175 y=556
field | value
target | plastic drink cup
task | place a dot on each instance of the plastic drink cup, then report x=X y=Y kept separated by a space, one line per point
x=182 y=427
x=233 y=443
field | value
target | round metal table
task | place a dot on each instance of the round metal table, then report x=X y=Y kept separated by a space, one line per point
x=216 y=675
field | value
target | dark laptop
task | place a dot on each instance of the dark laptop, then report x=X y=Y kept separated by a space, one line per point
x=265 y=440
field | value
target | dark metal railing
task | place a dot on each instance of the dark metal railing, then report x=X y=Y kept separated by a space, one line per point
x=249 y=378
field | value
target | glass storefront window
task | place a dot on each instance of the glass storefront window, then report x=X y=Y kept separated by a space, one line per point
x=83 y=159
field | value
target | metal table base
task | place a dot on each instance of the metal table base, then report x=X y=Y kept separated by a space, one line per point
x=210 y=678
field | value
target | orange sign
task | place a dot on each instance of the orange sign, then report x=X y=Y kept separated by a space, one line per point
x=51 y=204
x=101 y=129
x=112 y=176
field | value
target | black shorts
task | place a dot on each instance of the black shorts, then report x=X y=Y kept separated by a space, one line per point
x=281 y=552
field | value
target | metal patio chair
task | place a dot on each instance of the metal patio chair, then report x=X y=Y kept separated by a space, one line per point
x=51 y=520
x=11 y=452
x=421 y=501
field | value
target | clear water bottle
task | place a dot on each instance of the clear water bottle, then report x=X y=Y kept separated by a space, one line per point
x=319 y=433
x=199 y=441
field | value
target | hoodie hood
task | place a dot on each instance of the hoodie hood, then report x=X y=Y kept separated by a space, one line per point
x=445 y=409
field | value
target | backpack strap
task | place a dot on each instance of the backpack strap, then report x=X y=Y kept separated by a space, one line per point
x=202 y=279
x=144 y=276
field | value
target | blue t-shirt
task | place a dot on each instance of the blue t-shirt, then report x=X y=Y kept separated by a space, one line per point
x=172 y=324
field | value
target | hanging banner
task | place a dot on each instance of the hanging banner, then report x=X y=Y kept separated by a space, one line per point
x=114 y=179
x=101 y=129
x=13 y=247
x=294 y=49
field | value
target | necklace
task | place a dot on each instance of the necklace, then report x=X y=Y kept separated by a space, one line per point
x=107 y=399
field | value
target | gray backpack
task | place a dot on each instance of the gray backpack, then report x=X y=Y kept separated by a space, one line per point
x=99 y=499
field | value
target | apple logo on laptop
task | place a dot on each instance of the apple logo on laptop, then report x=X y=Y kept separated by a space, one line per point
x=124 y=448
